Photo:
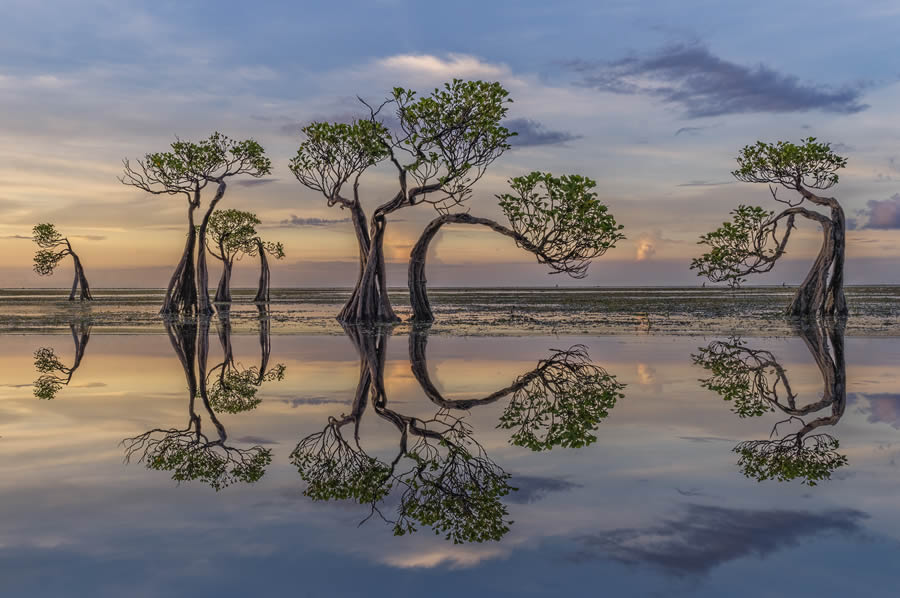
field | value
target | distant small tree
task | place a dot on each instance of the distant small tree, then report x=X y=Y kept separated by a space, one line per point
x=558 y=219
x=756 y=238
x=230 y=235
x=262 y=249
x=186 y=170
x=53 y=373
x=53 y=249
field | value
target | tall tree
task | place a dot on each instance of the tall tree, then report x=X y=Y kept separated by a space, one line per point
x=558 y=219
x=187 y=170
x=756 y=238
x=263 y=249
x=53 y=249
x=440 y=147
x=230 y=234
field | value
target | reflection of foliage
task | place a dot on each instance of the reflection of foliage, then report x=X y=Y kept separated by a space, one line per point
x=563 y=401
x=54 y=374
x=235 y=391
x=743 y=375
x=811 y=459
x=748 y=378
x=190 y=455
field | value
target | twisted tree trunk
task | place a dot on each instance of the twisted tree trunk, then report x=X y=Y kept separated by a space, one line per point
x=265 y=342
x=223 y=291
x=80 y=279
x=418 y=292
x=204 y=306
x=369 y=302
x=181 y=294
x=262 y=292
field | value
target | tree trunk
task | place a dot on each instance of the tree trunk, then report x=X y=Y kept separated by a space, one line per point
x=204 y=306
x=369 y=303
x=262 y=293
x=181 y=294
x=418 y=293
x=836 y=304
x=81 y=279
x=822 y=291
x=223 y=291
x=265 y=342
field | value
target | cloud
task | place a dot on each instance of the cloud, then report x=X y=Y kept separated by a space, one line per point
x=884 y=407
x=688 y=131
x=531 y=489
x=89 y=237
x=704 y=537
x=426 y=66
x=295 y=220
x=255 y=440
x=254 y=182
x=531 y=133
x=24 y=237
x=705 y=439
x=704 y=183
x=702 y=84
x=884 y=213
x=646 y=249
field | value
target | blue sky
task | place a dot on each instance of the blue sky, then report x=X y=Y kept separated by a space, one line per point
x=652 y=99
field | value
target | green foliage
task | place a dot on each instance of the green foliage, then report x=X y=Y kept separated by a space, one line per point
x=331 y=153
x=809 y=164
x=810 y=459
x=53 y=248
x=48 y=365
x=738 y=247
x=562 y=404
x=231 y=233
x=561 y=219
x=211 y=463
x=275 y=250
x=235 y=391
x=741 y=376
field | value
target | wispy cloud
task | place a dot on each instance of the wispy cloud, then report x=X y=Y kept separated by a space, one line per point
x=254 y=182
x=295 y=220
x=702 y=84
x=532 y=133
x=882 y=213
x=704 y=183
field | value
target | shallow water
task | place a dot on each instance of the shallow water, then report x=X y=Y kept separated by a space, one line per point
x=599 y=464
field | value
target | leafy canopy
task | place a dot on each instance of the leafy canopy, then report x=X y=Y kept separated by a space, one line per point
x=739 y=247
x=560 y=219
x=54 y=247
x=810 y=459
x=231 y=233
x=810 y=164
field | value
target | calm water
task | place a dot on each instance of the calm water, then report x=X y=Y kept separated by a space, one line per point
x=215 y=463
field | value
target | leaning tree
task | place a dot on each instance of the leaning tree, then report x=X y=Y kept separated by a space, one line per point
x=558 y=219
x=187 y=170
x=263 y=249
x=230 y=235
x=756 y=238
x=440 y=146
x=53 y=249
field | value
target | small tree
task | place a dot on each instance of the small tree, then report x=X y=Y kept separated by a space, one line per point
x=262 y=249
x=757 y=238
x=558 y=219
x=53 y=373
x=441 y=146
x=187 y=170
x=230 y=235
x=53 y=249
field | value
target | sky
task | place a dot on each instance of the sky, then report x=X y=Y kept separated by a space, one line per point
x=651 y=99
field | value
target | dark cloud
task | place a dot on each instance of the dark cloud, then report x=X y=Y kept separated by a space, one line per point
x=705 y=439
x=534 y=488
x=883 y=407
x=294 y=403
x=704 y=537
x=255 y=440
x=90 y=237
x=23 y=237
x=690 y=76
x=689 y=131
x=297 y=221
x=704 y=183
x=531 y=133
x=254 y=182
x=883 y=213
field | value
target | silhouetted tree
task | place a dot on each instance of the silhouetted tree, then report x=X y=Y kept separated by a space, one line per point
x=757 y=384
x=442 y=144
x=189 y=452
x=186 y=170
x=756 y=238
x=53 y=249
x=558 y=219
x=53 y=373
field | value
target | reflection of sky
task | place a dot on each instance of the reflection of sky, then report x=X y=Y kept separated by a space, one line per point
x=655 y=505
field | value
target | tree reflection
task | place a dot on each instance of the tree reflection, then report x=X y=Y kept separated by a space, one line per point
x=234 y=389
x=439 y=473
x=191 y=453
x=53 y=373
x=558 y=403
x=756 y=383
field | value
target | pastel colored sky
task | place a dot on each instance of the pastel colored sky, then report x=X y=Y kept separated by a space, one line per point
x=651 y=99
